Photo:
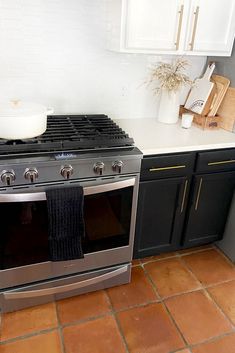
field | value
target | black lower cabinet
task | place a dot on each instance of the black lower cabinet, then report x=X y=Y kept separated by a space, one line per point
x=160 y=215
x=184 y=200
x=209 y=206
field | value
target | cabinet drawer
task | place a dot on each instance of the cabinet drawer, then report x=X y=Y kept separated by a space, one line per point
x=166 y=166
x=222 y=160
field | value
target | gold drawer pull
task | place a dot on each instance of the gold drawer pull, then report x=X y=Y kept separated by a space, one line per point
x=180 y=12
x=198 y=195
x=196 y=13
x=184 y=195
x=167 y=168
x=222 y=162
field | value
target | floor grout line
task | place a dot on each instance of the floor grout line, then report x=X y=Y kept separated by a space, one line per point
x=29 y=335
x=151 y=283
x=159 y=299
x=212 y=339
x=181 y=350
x=191 y=272
x=121 y=333
x=169 y=314
x=137 y=306
x=202 y=288
x=211 y=285
x=60 y=329
x=219 y=308
x=79 y=322
x=175 y=255
x=201 y=285
x=84 y=321
x=111 y=312
x=118 y=323
x=190 y=252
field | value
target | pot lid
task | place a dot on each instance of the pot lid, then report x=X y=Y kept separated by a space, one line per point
x=16 y=108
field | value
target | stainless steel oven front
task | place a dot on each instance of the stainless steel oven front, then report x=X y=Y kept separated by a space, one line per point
x=109 y=215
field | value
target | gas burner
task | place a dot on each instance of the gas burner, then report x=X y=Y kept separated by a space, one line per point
x=19 y=142
x=71 y=132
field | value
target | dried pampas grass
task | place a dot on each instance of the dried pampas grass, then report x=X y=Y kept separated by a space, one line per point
x=169 y=77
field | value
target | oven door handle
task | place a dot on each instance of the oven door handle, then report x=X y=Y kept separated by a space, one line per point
x=89 y=190
x=64 y=288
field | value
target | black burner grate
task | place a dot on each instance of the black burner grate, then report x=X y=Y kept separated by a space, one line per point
x=72 y=132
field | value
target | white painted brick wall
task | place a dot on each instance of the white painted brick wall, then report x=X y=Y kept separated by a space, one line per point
x=54 y=52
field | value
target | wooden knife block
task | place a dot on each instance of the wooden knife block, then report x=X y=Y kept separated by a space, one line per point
x=202 y=121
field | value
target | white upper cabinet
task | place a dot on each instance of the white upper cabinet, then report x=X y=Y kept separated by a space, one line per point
x=193 y=27
x=211 y=27
x=151 y=27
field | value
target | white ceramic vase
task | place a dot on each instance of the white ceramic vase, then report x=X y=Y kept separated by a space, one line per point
x=168 y=111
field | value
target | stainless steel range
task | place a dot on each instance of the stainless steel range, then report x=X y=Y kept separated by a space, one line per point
x=84 y=150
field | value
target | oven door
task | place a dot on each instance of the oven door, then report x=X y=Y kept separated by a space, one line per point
x=109 y=215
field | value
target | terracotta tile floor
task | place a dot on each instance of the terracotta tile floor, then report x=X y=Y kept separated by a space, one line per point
x=181 y=302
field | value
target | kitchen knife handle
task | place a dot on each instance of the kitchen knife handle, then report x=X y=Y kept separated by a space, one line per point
x=196 y=13
x=180 y=12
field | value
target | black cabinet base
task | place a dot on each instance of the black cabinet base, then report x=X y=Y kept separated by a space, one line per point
x=184 y=200
x=160 y=216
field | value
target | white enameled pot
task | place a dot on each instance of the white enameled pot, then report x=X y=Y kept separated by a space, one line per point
x=22 y=120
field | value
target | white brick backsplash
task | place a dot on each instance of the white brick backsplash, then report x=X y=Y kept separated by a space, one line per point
x=54 y=52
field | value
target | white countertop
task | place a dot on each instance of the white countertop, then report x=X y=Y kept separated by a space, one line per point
x=152 y=137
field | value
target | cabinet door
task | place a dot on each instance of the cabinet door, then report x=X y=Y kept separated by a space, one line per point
x=211 y=27
x=153 y=24
x=160 y=215
x=211 y=198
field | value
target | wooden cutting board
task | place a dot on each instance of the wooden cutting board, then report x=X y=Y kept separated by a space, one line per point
x=227 y=110
x=221 y=86
x=210 y=101
x=200 y=92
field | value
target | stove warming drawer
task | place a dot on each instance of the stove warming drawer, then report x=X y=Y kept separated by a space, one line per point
x=57 y=289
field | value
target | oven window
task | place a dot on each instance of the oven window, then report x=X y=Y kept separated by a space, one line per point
x=24 y=238
x=107 y=220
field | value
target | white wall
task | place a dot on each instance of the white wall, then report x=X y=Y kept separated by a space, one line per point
x=54 y=52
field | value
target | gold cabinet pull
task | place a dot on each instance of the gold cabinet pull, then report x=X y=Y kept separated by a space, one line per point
x=196 y=13
x=184 y=195
x=180 y=12
x=198 y=194
x=167 y=168
x=222 y=162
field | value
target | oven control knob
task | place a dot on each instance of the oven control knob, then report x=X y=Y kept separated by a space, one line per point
x=31 y=174
x=117 y=166
x=66 y=171
x=99 y=168
x=8 y=177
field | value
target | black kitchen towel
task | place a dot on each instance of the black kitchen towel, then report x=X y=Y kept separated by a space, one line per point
x=66 y=222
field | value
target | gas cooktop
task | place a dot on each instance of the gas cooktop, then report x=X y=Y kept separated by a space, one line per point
x=71 y=132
